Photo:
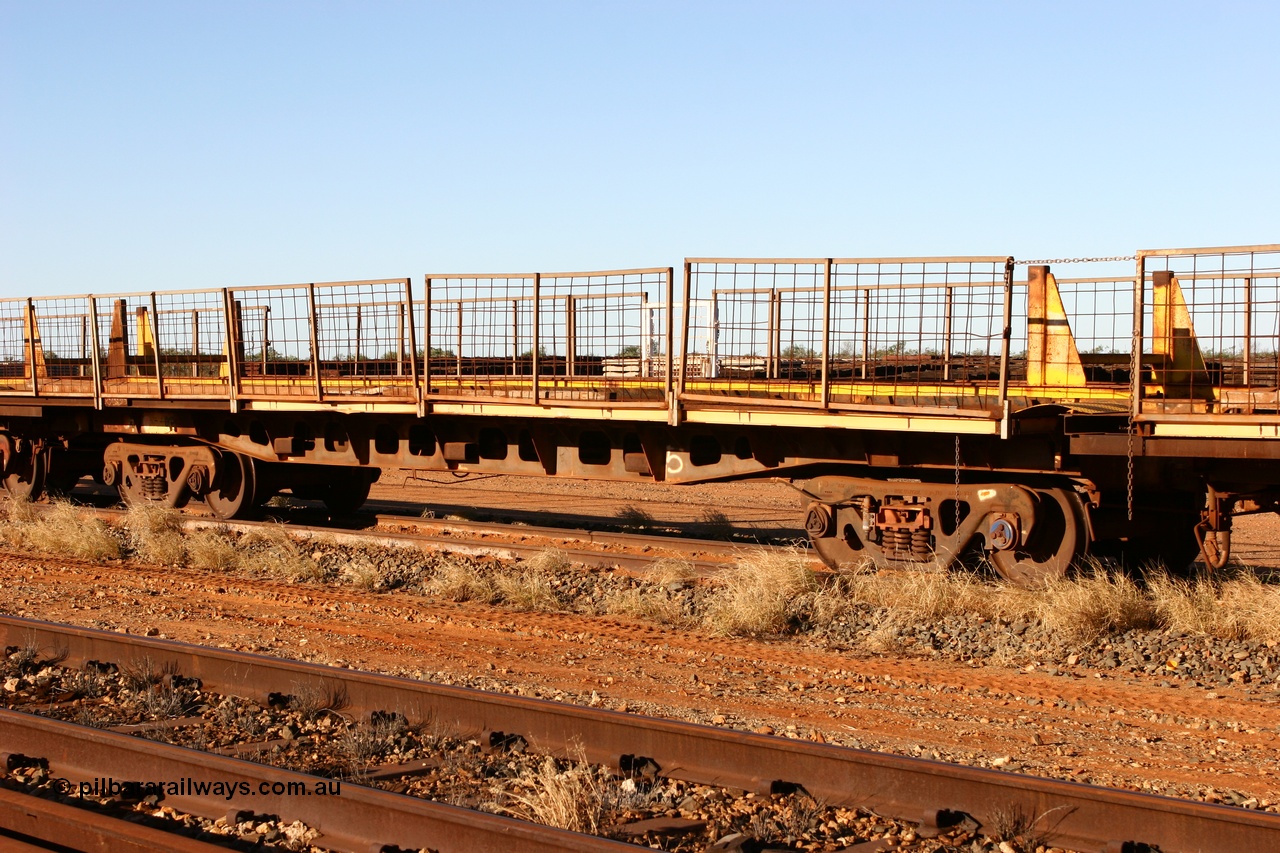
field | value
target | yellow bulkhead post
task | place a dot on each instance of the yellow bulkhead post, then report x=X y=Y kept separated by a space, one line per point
x=1052 y=357
x=33 y=349
x=1173 y=339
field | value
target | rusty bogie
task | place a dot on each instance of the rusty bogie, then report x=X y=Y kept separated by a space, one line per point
x=1027 y=533
x=170 y=475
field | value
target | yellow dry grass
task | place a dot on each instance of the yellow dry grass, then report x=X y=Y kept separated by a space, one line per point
x=61 y=529
x=1093 y=603
x=1235 y=605
x=757 y=594
x=526 y=590
x=155 y=533
x=578 y=798
x=212 y=550
x=457 y=580
x=273 y=552
x=652 y=603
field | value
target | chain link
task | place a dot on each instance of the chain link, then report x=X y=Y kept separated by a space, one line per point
x=1129 y=471
x=1052 y=261
x=957 y=527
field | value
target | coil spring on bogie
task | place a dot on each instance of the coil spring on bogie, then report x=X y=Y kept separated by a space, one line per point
x=153 y=484
x=902 y=541
x=154 y=488
x=920 y=548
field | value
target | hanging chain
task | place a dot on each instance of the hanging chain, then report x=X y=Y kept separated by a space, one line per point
x=1129 y=469
x=957 y=527
x=1052 y=261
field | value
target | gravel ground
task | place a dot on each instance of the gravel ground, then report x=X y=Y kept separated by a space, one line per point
x=1160 y=711
x=310 y=733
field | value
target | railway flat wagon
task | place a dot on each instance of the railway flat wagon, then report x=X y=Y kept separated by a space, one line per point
x=925 y=409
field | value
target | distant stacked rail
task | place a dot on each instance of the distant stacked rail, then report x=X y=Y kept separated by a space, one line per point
x=928 y=408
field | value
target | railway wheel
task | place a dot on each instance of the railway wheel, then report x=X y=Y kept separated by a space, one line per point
x=1056 y=539
x=347 y=491
x=233 y=496
x=24 y=471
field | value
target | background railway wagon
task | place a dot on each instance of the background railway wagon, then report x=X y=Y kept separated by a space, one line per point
x=924 y=408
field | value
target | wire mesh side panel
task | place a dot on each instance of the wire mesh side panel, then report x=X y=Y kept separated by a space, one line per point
x=924 y=332
x=64 y=357
x=15 y=368
x=1100 y=312
x=481 y=336
x=271 y=342
x=1211 y=330
x=928 y=330
x=599 y=337
x=128 y=359
x=754 y=326
x=191 y=332
x=364 y=339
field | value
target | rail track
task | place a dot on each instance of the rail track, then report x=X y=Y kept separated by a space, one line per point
x=633 y=552
x=356 y=819
x=1078 y=816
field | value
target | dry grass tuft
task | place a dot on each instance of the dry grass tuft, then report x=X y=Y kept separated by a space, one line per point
x=312 y=698
x=62 y=529
x=275 y=553
x=527 y=590
x=1094 y=603
x=86 y=683
x=885 y=640
x=548 y=561
x=458 y=580
x=212 y=550
x=155 y=533
x=656 y=600
x=363 y=744
x=579 y=798
x=918 y=596
x=1235 y=605
x=758 y=593
x=668 y=570
x=532 y=587
x=646 y=602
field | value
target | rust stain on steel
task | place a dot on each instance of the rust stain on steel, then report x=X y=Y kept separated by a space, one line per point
x=357 y=819
x=1078 y=815
x=81 y=829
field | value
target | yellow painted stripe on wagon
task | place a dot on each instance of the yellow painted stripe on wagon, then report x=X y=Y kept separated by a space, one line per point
x=1216 y=430
x=886 y=423
x=528 y=410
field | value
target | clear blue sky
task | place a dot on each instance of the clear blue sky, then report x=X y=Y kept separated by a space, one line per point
x=180 y=144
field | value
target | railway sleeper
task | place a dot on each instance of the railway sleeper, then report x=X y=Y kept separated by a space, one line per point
x=1028 y=534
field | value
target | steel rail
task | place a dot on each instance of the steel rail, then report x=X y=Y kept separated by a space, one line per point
x=1073 y=815
x=726 y=550
x=41 y=822
x=720 y=552
x=355 y=818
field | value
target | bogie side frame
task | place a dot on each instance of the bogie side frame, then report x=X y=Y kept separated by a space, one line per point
x=924 y=407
